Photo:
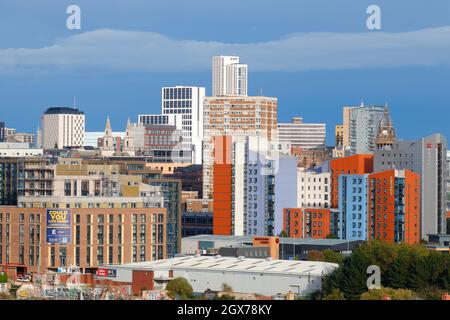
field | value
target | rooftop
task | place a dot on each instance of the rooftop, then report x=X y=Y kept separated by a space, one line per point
x=219 y=263
x=63 y=110
x=248 y=239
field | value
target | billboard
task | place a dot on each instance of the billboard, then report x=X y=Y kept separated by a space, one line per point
x=59 y=229
x=103 y=272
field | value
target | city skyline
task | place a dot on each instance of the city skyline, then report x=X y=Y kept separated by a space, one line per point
x=34 y=76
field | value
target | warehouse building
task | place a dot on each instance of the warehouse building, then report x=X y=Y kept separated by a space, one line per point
x=280 y=247
x=245 y=275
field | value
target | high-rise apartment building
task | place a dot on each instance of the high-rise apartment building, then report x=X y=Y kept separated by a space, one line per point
x=356 y=164
x=235 y=116
x=62 y=127
x=187 y=102
x=229 y=77
x=394 y=206
x=360 y=127
x=302 y=135
x=426 y=157
x=313 y=189
x=252 y=185
x=352 y=214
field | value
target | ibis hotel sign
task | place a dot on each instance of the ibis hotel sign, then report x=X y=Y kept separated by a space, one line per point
x=59 y=229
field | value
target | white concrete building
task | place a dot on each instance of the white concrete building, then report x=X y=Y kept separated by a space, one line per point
x=62 y=127
x=186 y=102
x=313 y=189
x=229 y=77
x=236 y=79
x=302 y=135
x=18 y=149
x=245 y=275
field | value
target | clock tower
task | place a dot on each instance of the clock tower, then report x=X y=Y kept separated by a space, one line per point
x=386 y=133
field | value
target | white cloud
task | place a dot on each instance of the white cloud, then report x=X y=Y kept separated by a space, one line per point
x=113 y=50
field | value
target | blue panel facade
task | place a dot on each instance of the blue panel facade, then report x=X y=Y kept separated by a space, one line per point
x=352 y=207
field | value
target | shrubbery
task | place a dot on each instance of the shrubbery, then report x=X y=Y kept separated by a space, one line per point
x=402 y=267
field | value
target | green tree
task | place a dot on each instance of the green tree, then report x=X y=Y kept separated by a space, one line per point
x=445 y=279
x=315 y=255
x=393 y=294
x=332 y=256
x=179 y=288
x=3 y=278
x=283 y=234
x=331 y=236
x=402 y=266
x=336 y=294
x=227 y=288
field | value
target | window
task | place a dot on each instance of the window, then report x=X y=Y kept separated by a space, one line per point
x=110 y=254
x=88 y=256
x=84 y=188
x=62 y=256
x=100 y=255
x=100 y=238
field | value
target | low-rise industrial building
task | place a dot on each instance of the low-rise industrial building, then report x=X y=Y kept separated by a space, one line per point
x=244 y=275
x=281 y=248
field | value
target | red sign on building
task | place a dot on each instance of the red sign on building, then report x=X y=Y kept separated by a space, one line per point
x=102 y=272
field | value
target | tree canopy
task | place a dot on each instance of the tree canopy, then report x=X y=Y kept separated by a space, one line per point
x=402 y=266
x=179 y=288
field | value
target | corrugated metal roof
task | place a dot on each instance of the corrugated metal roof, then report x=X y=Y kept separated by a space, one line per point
x=245 y=265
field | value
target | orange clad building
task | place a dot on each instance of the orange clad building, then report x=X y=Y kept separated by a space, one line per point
x=306 y=222
x=223 y=186
x=394 y=206
x=356 y=164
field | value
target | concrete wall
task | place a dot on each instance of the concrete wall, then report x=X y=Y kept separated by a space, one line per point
x=256 y=283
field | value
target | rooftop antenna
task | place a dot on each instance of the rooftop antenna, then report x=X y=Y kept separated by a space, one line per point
x=74 y=102
x=261 y=92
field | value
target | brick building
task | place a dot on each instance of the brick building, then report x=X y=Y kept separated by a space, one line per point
x=97 y=236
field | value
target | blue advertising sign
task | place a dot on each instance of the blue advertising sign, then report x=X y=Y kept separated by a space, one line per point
x=59 y=229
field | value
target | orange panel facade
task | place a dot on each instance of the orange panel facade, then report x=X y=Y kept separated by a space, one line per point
x=394 y=206
x=356 y=164
x=306 y=222
x=222 y=192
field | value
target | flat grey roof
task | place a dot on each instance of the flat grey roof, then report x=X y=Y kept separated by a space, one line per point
x=243 y=265
x=296 y=241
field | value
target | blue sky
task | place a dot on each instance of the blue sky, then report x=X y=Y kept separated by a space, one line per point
x=316 y=56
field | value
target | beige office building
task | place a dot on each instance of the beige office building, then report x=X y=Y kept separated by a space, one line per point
x=235 y=116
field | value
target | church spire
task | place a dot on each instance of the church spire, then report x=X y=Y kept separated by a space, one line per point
x=108 y=125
